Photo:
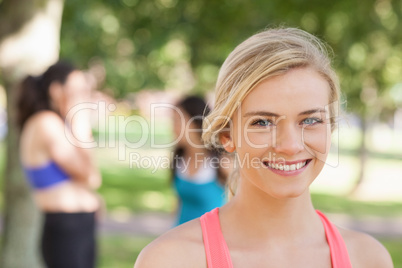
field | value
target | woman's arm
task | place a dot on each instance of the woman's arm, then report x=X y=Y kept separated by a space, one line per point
x=70 y=155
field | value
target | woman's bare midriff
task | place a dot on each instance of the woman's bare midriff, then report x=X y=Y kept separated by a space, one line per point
x=66 y=197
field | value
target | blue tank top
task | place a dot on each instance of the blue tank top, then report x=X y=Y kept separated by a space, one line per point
x=45 y=176
x=197 y=198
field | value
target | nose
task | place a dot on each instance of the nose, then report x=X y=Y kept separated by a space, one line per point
x=288 y=140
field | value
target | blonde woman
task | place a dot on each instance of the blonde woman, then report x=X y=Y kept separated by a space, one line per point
x=275 y=108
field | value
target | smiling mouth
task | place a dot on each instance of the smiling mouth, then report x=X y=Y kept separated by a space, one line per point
x=285 y=167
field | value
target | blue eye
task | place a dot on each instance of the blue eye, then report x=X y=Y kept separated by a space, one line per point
x=312 y=121
x=261 y=123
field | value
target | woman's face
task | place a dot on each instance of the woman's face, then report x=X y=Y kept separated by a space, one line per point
x=74 y=91
x=282 y=133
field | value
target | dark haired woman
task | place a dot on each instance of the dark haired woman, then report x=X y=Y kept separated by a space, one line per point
x=198 y=177
x=59 y=169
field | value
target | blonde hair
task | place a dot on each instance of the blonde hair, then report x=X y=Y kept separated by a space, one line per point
x=266 y=54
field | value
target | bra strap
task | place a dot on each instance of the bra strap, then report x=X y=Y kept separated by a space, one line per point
x=339 y=253
x=216 y=249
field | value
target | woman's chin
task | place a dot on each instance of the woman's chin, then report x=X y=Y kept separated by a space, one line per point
x=289 y=193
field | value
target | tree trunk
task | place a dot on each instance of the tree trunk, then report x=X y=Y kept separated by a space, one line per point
x=21 y=218
x=363 y=154
x=28 y=45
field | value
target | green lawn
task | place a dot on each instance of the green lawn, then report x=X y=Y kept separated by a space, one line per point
x=120 y=251
x=357 y=209
x=394 y=247
x=139 y=190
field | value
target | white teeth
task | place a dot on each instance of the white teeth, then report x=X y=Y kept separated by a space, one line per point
x=287 y=167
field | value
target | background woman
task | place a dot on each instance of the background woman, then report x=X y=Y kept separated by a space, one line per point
x=59 y=169
x=197 y=176
x=274 y=110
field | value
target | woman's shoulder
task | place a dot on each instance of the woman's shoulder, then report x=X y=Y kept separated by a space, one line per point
x=364 y=250
x=45 y=116
x=180 y=247
x=44 y=123
x=43 y=120
x=40 y=130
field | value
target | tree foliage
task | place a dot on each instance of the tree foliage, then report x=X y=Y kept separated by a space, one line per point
x=149 y=43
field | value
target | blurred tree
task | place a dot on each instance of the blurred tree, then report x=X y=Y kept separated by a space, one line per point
x=29 y=43
x=181 y=44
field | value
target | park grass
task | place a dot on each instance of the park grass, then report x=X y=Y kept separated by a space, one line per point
x=356 y=209
x=139 y=190
x=394 y=247
x=120 y=251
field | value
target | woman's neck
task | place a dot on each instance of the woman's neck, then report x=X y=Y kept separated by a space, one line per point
x=263 y=217
x=195 y=158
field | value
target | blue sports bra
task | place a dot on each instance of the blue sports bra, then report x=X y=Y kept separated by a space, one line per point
x=45 y=176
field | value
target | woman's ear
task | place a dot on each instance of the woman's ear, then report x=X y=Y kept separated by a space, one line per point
x=56 y=96
x=227 y=142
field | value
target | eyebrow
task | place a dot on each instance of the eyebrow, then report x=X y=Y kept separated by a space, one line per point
x=266 y=113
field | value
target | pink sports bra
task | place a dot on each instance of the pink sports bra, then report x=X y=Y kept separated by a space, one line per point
x=218 y=255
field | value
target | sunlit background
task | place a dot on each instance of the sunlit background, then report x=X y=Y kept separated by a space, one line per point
x=142 y=52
